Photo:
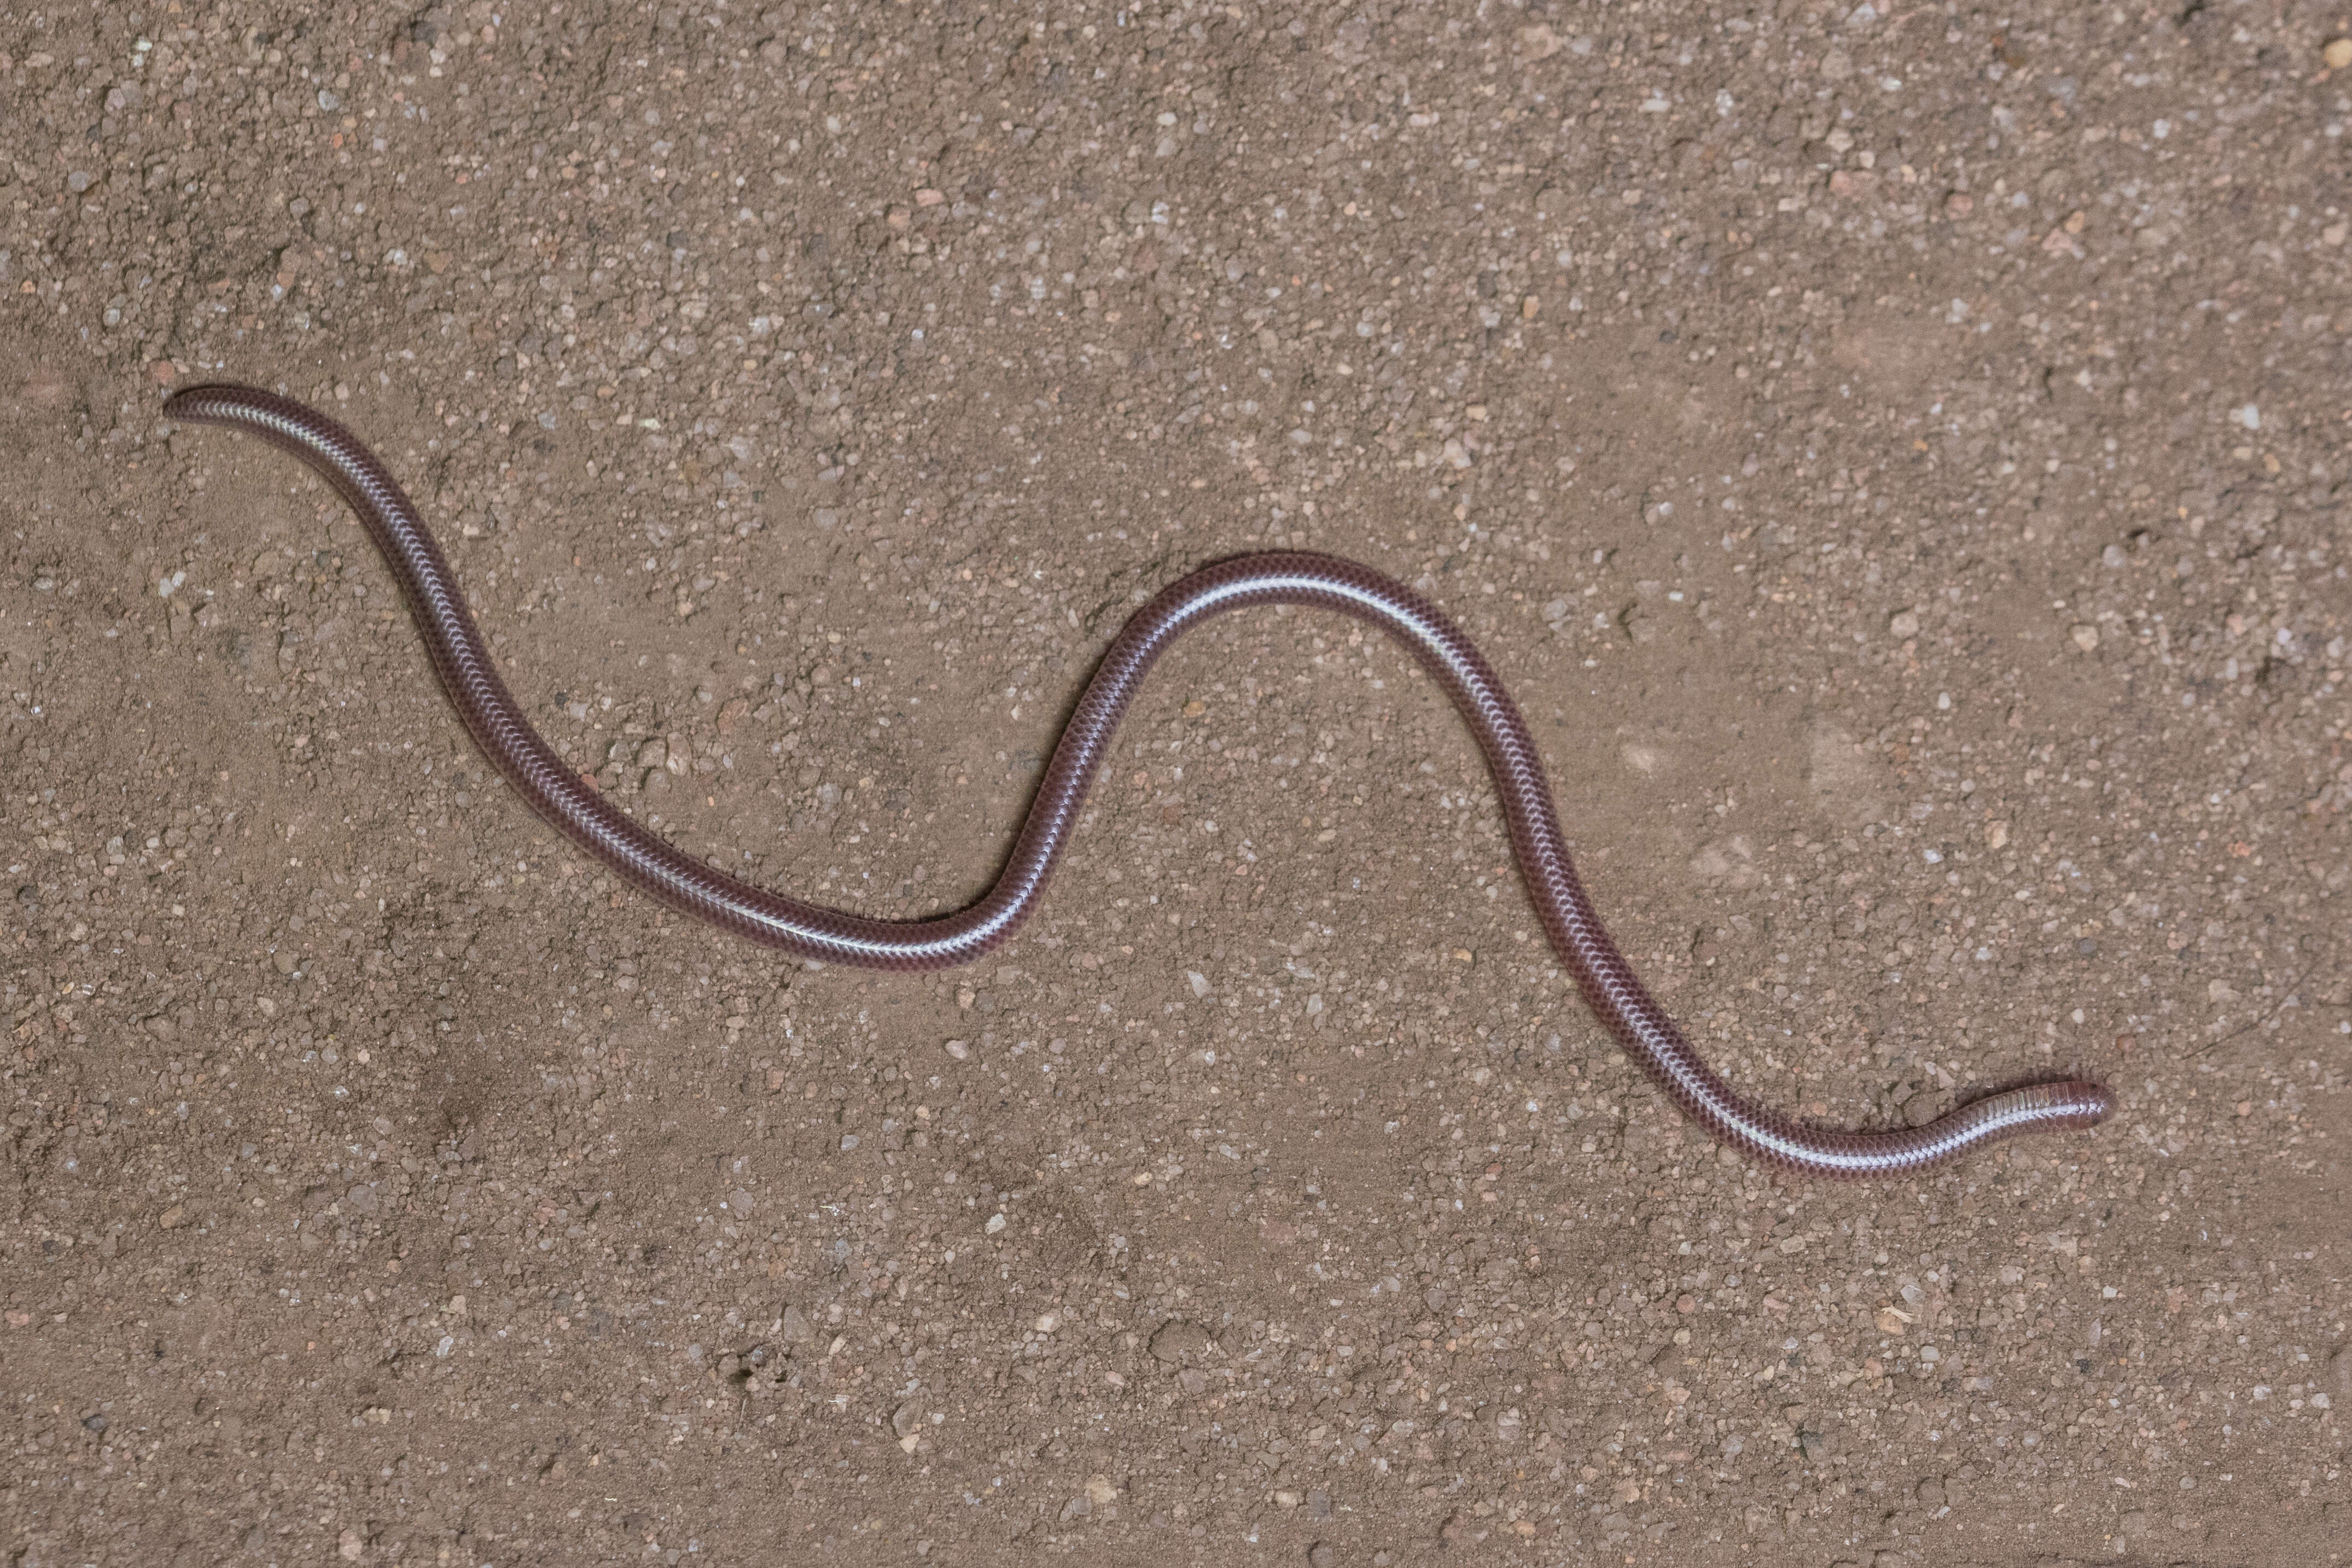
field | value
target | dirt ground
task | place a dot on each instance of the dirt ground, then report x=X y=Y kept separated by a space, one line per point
x=1898 y=459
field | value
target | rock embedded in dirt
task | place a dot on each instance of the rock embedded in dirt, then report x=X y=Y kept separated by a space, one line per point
x=1179 y=1342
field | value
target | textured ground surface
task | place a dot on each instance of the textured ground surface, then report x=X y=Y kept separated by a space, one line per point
x=1900 y=460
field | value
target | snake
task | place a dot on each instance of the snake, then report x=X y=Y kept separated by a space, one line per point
x=577 y=808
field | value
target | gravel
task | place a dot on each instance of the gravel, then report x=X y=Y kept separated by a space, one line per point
x=1895 y=457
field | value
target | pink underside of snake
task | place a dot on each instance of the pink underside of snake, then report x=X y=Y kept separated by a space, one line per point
x=577 y=809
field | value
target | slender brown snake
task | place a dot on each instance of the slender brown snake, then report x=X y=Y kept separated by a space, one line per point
x=577 y=809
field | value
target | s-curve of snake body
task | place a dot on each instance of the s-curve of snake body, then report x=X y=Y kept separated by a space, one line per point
x=577 y=809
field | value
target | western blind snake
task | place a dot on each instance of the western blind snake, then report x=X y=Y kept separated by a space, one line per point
x=577 y=809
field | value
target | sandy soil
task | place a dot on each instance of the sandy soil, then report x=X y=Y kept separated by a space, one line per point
x=1899 y=461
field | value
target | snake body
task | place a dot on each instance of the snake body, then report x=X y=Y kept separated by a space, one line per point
x=576 y=808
